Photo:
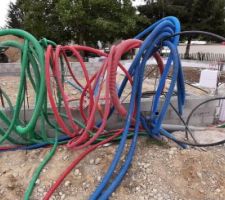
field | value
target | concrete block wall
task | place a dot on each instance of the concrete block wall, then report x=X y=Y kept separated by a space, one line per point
x=202 y=117
x=14 y=68
x=92 y=67
x=10 y=68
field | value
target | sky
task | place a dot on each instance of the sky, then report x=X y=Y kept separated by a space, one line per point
x=5 y=3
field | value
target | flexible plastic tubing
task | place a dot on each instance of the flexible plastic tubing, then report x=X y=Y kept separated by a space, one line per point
x=165 y=32
x=31 y=53
x=188 y=131
x=147 y=30
x=156 y=118
x=13 y=124
x=109 y=64
x=97 y=87
x=59 y=119
x=74 y=163
x=39 y=169
x=61 y=140
x=103 y=124
x=40 y=91
x=84 y=135
x=31 y=139
x=129 y=44
x=175 y=39
x=61 y=123
x=32 y=59
x=80 y=136
x=120 y=148
x=73 y=49
x=44 y=44
x=116 y=159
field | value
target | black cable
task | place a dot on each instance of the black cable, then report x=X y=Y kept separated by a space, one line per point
x=187 y=123
x=187 y=129
x=169 y=77
x=196 y=32
x=204 y=102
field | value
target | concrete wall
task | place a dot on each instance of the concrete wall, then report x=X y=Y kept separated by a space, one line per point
x=92 y=67
x=9 y=68
x=202 y=117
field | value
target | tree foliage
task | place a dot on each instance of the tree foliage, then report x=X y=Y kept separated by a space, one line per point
x=87 y=21
x=93 y=20
x=79 y=20
x=38 y=17
x=15 y=15
x=194 y=14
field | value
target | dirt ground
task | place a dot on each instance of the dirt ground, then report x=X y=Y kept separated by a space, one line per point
x=192 y=75
x=158 y=172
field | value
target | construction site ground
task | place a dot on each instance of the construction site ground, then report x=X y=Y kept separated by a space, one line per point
x=159 y=171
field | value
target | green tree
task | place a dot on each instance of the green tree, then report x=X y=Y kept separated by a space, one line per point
x=41 y=19
x=15 y=15
x=83 y=21
x=93 y=20
x=38 y=17
x=194 y=14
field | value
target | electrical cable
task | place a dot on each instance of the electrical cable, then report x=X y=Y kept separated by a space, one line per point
x=136 y=95
x=45 y=65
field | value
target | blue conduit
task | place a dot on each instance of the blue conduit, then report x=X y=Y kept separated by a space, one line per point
x=155 y=35
x=37 y=145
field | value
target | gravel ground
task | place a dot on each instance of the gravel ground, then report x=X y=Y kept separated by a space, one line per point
x=159 y=171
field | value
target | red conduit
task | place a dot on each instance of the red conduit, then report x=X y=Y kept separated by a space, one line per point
x=75 y=162
x=80 y=137
x=122 y=48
